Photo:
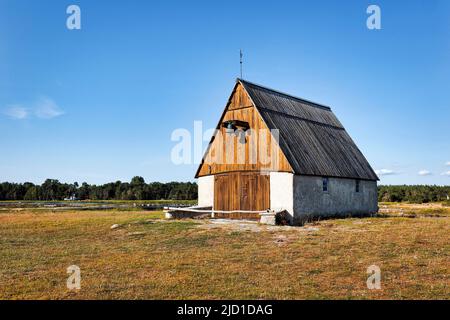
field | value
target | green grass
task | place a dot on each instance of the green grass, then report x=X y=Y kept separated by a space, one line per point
x=147 y=257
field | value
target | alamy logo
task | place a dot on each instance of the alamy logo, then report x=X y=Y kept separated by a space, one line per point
x=74 y=279
x=374 y=20
x=73 y=22
x=374 y=279
x=231 y=146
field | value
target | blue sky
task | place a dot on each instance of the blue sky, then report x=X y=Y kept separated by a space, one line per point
x=99 y=104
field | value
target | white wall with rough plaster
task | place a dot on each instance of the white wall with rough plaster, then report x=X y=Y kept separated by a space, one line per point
x=340 y=199
x=282 y=192
x=206 y=191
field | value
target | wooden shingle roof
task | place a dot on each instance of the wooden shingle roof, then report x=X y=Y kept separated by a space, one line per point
x=311 y=137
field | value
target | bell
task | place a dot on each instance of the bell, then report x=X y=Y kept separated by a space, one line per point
x=229 y=129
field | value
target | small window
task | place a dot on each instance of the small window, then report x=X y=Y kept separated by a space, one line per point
x=357 y=186
x=325 y=184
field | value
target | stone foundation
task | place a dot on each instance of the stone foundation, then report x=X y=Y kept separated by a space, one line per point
x=267 y=218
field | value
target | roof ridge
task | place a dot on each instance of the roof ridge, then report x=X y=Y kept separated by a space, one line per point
x=314 y=104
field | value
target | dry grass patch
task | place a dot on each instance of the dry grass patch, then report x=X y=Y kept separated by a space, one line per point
x=412 y=210
x=150 y=258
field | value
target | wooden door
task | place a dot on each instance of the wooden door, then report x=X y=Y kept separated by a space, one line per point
x=223 y=191
x=247 y=191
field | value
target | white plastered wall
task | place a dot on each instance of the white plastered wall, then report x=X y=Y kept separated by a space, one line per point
x=282 y=192
x=341 y=198
x=206 y=191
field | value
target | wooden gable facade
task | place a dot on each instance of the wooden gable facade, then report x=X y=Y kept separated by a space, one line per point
x=258 y=152
x=241 y=163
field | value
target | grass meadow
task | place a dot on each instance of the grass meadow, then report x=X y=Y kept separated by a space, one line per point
x=147 y=257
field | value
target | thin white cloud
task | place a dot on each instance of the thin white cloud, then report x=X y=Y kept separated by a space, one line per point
x=424 y=173
x=16 y=112
x=447 y=163
x=43 y=108
x=447 y=173
x=385 y=172
x=46 y=108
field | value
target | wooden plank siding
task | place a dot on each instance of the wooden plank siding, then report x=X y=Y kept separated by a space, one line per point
x=246 y=191
x=238 y=155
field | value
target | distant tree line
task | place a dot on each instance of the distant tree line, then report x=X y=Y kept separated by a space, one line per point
x=137 y=189
x=414 y=193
